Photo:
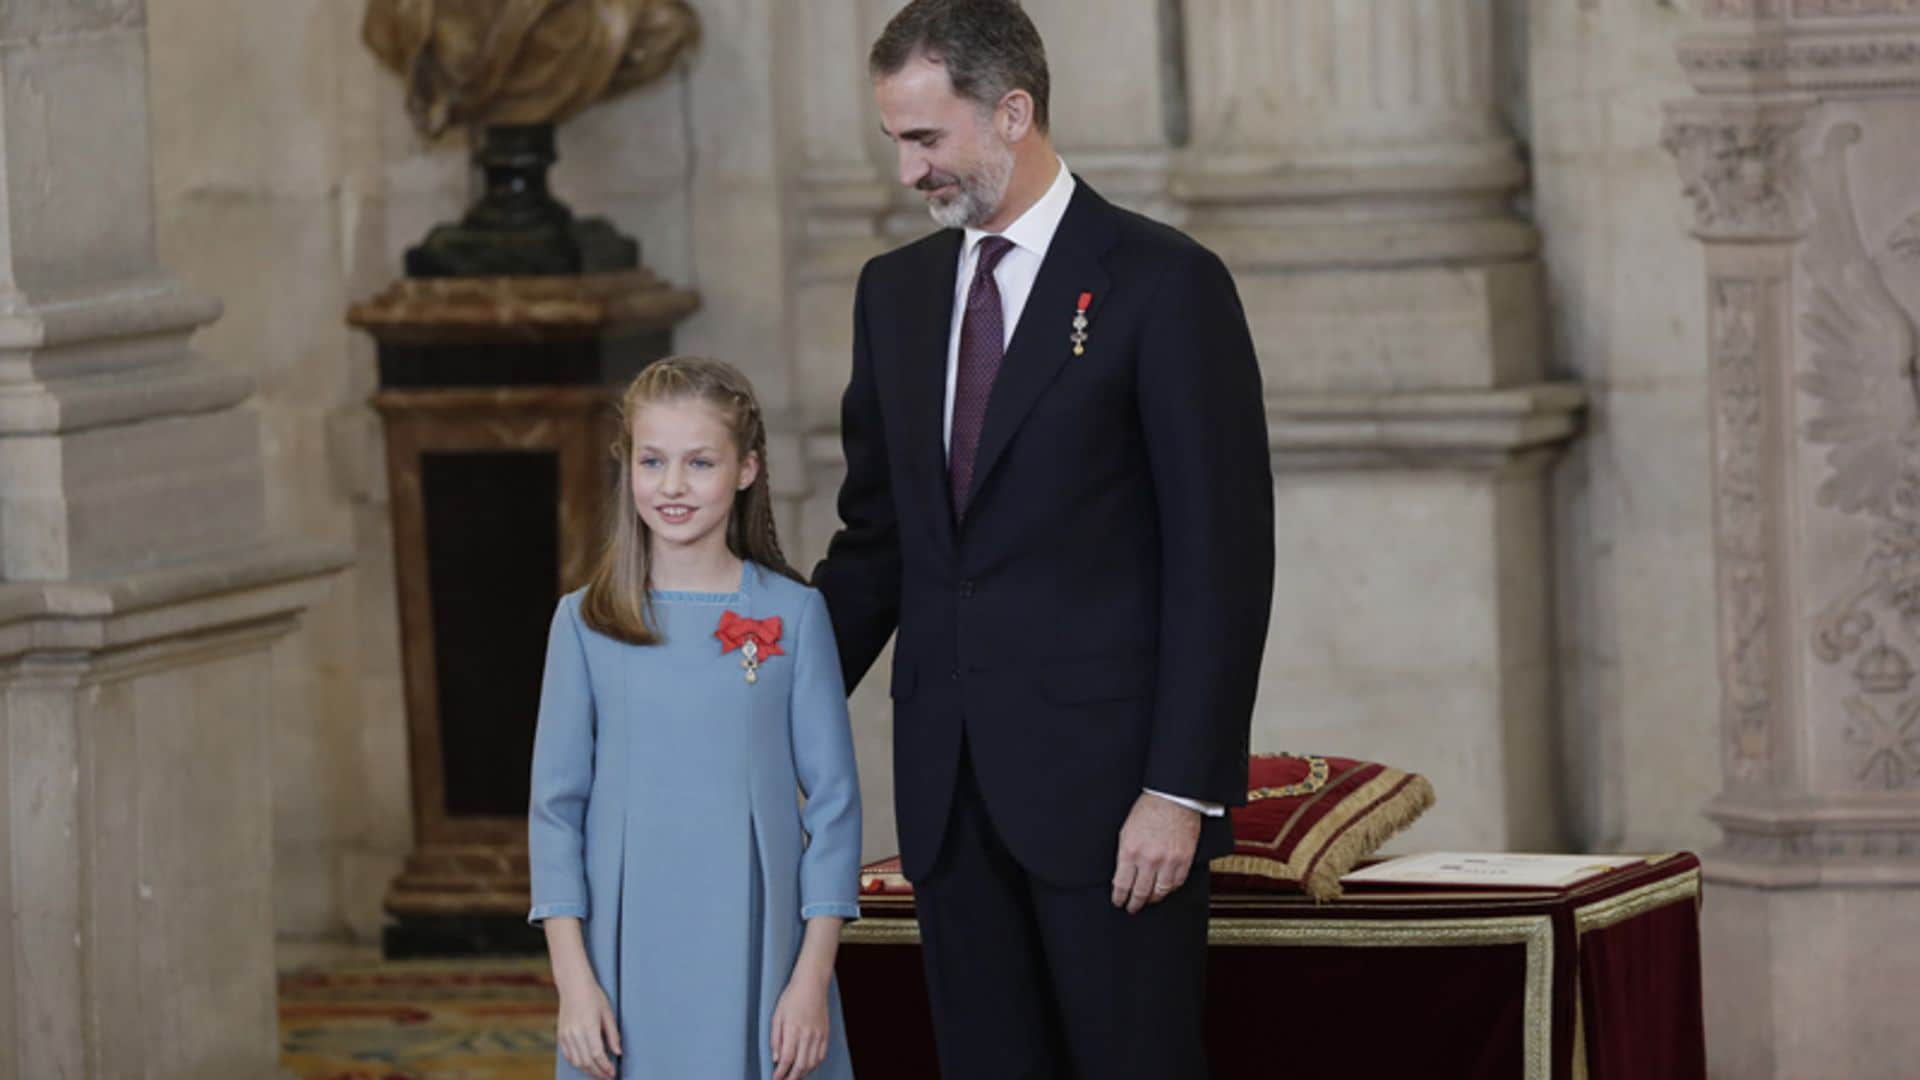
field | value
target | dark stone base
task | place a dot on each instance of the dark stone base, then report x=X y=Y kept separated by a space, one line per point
x=421 y=937
x=517 y=227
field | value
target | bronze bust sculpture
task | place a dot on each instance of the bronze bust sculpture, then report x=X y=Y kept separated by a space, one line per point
x=515 y=62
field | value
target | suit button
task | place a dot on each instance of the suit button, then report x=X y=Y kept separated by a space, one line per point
x=966 y=589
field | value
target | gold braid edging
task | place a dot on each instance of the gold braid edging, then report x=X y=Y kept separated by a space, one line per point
x=1634 y=902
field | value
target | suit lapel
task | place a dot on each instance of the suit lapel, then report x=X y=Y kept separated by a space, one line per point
x=926 y=384
x=1041 y=346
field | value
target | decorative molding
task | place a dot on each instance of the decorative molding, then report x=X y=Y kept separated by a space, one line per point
x=1410 y=429
x=1742 y=9
x=1367 y=245
x=1866 y=838
x=1823 y=842
x=170 y=607
x=1837 y=9
x=1739 y=165
x=1731 y=64
x=1737 y=313
x=1807 y=9
x=1481 y=430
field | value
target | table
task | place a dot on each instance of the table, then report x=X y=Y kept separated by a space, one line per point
x=1599 y=981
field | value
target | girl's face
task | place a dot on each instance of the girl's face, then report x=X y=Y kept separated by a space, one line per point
x=686 y=472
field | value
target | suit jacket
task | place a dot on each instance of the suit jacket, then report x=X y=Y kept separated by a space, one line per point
x=1095 y=624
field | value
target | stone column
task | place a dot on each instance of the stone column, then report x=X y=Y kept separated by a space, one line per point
x=1348 y=161
x=1797 y=158
x=138 y=600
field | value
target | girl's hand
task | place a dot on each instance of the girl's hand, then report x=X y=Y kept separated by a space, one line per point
x=800 y=1028
x=587 y=1031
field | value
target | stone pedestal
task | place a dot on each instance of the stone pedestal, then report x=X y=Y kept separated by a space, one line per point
x=136 y=813
x=1797 y=156
x=138 y=599
x=497 y=397
x=1348 y=162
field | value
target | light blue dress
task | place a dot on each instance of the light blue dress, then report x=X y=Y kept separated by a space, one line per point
x=665 y=816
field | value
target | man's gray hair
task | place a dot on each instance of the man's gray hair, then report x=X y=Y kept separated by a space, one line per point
x=989 y=48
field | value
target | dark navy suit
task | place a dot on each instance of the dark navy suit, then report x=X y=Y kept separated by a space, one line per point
x=1093 y=627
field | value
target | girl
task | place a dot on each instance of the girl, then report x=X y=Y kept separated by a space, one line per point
x=692 y=909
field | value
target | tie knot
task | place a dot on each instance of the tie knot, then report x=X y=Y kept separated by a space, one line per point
x=992 y=250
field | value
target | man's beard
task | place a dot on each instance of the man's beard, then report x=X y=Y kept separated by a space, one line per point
x=981 y=191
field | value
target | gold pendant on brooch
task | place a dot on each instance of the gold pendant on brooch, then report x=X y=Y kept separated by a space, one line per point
x=1079 y=335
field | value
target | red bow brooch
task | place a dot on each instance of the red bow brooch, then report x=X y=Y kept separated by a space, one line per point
x=756 y=639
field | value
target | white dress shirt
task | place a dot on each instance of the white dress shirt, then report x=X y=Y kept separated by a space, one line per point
x=1031 y=234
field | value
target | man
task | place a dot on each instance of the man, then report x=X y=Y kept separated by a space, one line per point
x=1058 y=491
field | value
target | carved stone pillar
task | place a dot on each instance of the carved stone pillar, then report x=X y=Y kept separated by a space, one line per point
x=1355 y=132
x=138 y=601
x=1348 y=161
x=1797 y=156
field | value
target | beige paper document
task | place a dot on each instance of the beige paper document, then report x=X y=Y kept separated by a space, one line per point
x=1491 y=868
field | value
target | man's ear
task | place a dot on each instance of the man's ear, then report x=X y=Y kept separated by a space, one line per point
x=1014 y=117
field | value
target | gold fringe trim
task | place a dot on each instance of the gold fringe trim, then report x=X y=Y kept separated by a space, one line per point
x=1375 y=826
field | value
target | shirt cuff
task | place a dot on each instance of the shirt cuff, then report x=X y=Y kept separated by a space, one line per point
x=564 y=910
x=844 y=909
x=1207 y=808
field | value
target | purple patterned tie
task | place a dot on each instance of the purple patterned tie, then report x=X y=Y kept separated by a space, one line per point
x=982 y=343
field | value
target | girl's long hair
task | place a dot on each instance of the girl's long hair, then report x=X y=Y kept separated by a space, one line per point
x=616 y=602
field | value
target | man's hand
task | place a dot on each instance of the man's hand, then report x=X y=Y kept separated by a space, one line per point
x=1156 y=851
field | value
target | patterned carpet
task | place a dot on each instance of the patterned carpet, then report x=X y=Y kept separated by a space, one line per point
x=440 y=1020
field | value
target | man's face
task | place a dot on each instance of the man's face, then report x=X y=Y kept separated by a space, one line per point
x=947 y=146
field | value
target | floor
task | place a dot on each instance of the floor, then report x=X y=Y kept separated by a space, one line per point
x=422 y=1020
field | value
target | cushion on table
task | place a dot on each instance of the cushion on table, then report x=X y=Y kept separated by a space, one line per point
x=1310 y=819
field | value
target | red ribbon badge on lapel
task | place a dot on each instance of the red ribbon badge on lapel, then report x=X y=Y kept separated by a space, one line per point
x=756 y=639
x=1079 y=337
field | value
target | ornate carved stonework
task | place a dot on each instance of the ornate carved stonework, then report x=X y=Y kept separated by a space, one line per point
x=1903 y=244
x=1740 y=9
x=1819 y=839
x=1837 y=8
x=1887 y=742
x=1741 y=514
x=1862 y=378
x=1740 y=168
x=1720 y=64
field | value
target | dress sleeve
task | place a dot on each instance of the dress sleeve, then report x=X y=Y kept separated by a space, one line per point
x=562 y=775
x=823 y=759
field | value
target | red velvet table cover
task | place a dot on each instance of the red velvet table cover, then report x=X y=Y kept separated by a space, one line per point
x=1598 y=981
